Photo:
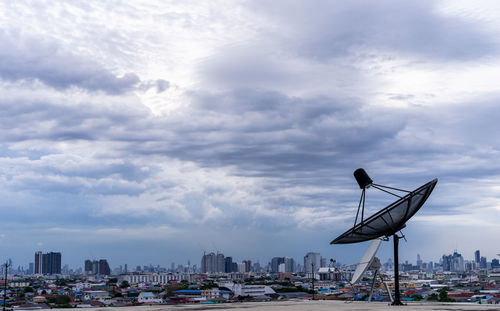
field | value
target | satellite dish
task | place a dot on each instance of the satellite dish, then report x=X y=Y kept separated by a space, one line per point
x=366 y=260
x=386 y=222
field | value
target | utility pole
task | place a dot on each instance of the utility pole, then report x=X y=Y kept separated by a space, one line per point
x=312 y=265
x=5 y=286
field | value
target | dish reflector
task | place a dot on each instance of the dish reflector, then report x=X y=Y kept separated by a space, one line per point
x=389 y=220
x=366 y=260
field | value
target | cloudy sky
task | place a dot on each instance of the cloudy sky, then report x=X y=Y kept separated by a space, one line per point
x=148 y=132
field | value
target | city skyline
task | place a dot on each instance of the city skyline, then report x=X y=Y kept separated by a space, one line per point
x=153 y=131
x=102 y=267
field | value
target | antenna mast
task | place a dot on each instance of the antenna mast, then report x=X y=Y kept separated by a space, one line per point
x=5 y=286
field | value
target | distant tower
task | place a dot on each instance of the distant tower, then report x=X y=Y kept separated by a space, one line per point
x=38 y=262
x=419 y=261
x=477 y=256
x=312 y=259
x=104 y=267
x=88 y=267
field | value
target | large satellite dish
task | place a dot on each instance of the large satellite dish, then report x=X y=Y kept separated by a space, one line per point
x=366 y=260
x=388 y=221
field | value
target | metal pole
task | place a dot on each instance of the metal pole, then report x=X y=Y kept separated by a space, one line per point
x=373 y=285
x=312 y=265
x=5 y=286
x=397 y=295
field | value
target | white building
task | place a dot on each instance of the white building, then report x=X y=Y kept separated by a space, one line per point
x=155 y=278
x=148 y=297
x=247 y=290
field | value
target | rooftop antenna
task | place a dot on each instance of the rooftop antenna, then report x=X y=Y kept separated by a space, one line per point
x=5 y=286
x=388 y=221
x=368 y=262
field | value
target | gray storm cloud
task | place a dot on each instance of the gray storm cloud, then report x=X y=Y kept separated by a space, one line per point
x=261 y=140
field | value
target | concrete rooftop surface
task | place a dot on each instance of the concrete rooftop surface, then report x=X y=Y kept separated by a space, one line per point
x=320 y=305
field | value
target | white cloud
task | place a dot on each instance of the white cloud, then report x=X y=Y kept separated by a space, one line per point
x=147 y=120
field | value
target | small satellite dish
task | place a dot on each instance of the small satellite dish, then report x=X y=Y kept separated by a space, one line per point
x=366 y=260
x=386 y=222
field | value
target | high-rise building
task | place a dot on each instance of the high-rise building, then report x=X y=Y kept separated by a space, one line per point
x=97 y=267
x=220 y=267
x=482 y=263
x=275 y=263
x=289 y=264
x=495 y=263
x=104 y=267
x=454 y=262
x=38 y=262
x=49 y=263
x=31 y=268
x=248 y=265
x=209 y=263
x=477 y=256
x=312 y=259
x=88 y=267
x=54 y=266
x=256 y=267
x=228 y=264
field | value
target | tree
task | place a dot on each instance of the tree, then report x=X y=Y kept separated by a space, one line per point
x=28 y=289
x=443 y=296
x=433 y=297
x=125 y=284
x=62 y=299
x=61 y=282
x=172 y=288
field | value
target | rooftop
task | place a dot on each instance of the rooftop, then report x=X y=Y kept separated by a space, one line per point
x=318 y=305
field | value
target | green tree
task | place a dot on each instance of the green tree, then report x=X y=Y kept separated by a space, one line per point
x=28 y=289
x=124 y=284
x=62 y=299
x=443 y=296
x=433 y=297
x=61 y=282
x=173 y=287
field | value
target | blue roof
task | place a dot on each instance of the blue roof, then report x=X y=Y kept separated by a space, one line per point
x=293 y=293
x=188 y=291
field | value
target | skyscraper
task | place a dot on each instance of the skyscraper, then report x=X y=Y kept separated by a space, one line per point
x=419 y=261
x=104 y=267
x=38 y=262
x=31 y=268
x=49 y=263
x=482 y=263
x=228 y=261
x=219 y=266
x=289 y=264
x=275 y=263
x=311 y=259
x=477 y=256
x=248 y=265
x=209 y=263
x=88 y=267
